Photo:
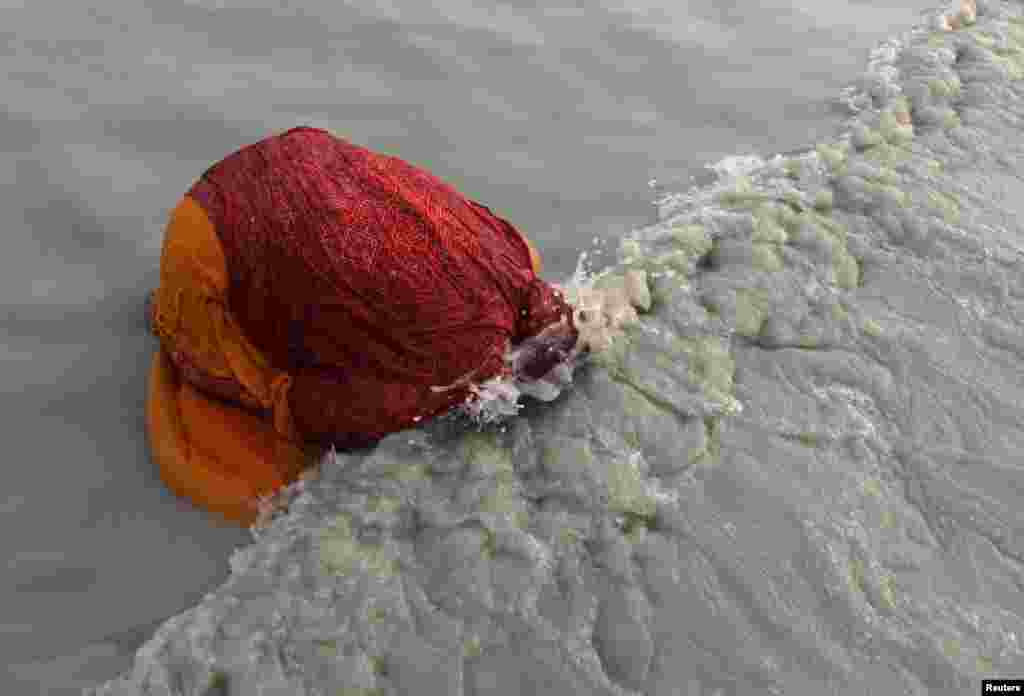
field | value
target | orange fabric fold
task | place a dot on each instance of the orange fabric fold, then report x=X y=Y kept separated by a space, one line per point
x=217 y=413
x=221 y=458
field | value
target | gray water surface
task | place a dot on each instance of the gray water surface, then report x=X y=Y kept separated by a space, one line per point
x=556 y=119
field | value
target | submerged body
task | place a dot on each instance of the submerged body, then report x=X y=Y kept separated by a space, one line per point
x=315 y=293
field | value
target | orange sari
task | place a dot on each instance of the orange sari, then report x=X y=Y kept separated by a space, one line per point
x=223 y=456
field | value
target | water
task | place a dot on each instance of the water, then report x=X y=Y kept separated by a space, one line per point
x=558 y=120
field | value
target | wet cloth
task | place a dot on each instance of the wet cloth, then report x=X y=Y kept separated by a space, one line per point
x=315 y=292
x=213 y=397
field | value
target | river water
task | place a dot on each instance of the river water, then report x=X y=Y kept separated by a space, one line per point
x=567 y=121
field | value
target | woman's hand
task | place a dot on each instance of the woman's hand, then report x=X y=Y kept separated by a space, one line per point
x=537 y=355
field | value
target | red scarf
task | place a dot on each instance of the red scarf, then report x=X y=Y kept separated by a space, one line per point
x=369 y=280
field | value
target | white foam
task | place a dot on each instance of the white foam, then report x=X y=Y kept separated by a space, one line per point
x=735 y=166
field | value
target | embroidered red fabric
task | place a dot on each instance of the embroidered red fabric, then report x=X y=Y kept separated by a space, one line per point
x=369 y=280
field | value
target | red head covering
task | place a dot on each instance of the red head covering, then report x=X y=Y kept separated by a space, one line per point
x=368 y=280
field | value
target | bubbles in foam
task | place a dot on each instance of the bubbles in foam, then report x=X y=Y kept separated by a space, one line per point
x=735 y=166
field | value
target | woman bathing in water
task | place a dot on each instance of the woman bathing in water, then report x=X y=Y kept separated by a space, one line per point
x=314 y=293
